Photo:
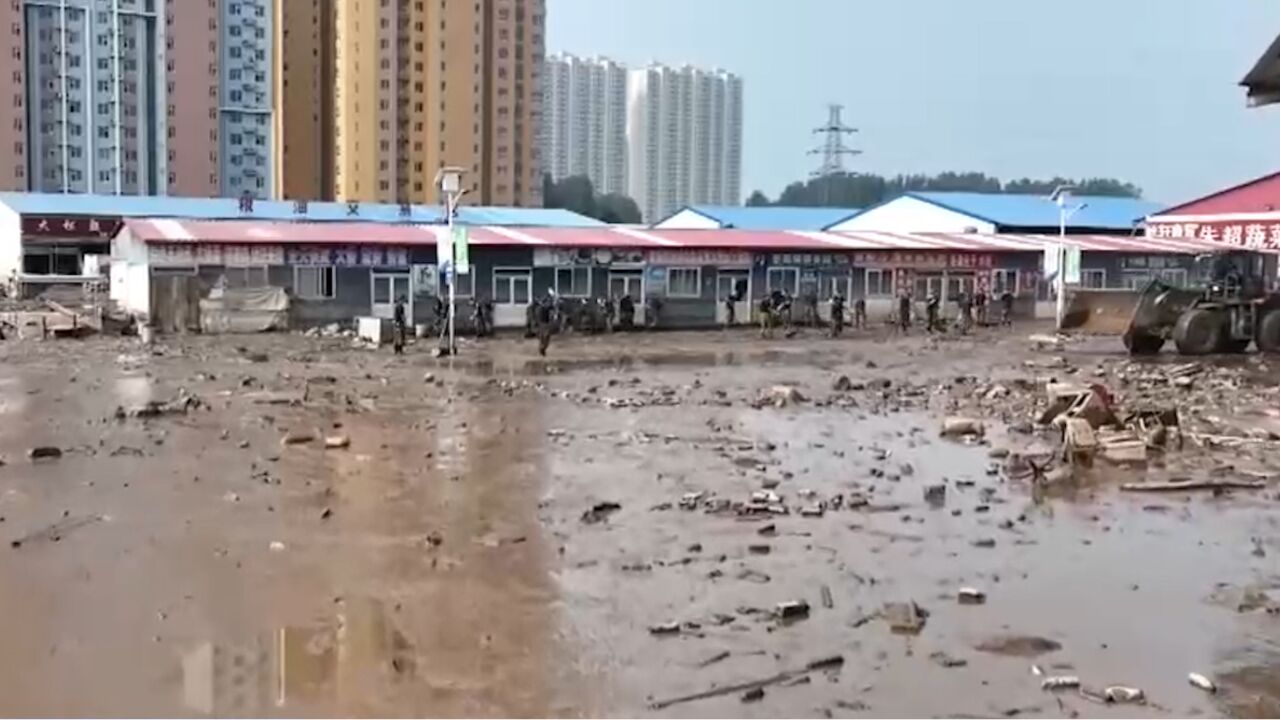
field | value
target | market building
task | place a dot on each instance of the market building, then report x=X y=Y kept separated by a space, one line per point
x=771 y=217
x=52 y=239
x=164 y=269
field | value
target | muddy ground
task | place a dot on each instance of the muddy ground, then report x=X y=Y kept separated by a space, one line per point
x=509 y=535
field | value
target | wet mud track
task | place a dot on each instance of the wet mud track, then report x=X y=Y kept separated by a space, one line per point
x=508 y=535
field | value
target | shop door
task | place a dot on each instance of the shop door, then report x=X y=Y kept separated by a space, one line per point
x=733 y=284
x=387 y=287
x=628 y=282
x=512 y=293
x=829 y=286
x=958 y=284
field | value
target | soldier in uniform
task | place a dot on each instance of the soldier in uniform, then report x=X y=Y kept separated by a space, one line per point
x=904 y=312
x=1006 y=308
x=837 y=315
x=980 y=305
x=931 y=304
x=860 y=314
x=400 y=326
x=544 y=322
x=626 y=312
x=965 y=303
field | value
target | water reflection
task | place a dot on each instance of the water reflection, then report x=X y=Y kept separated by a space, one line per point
x=334 y=663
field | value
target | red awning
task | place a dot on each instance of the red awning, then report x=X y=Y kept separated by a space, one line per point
x=238 y=232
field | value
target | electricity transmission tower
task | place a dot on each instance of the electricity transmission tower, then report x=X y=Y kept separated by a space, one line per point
x=833 y=149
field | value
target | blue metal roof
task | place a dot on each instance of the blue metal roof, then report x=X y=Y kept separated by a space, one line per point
x=1034 y=211
x=191 y=208
x=769 y=217
x=532 y=217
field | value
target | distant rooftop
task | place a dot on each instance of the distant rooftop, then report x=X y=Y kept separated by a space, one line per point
x=1035 y=211
x=161 y=206
x=770 y=217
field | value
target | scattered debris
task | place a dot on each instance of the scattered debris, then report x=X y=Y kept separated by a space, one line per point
x=755 y=694
x=962 y=427
x=842 y=384
x=1060 y=682
x=668 y=628
x=1185 y=485
x=971 y=596
x=722 y=655
x=182 y=404
x=44 y=452
x=297 y=437
x=827 y=601
x=56 y=531
x=1018 y=645
x=904 y=618
x=829 y=663
x=1202 y=682
x=1122 y=694
x=276 y=546
x=337 y=442
x=947 y=661
x=600 y=512
x=780 y=396
x=792 y=610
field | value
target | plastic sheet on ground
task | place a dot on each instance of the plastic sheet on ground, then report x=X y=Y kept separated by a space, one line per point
x=244 y=310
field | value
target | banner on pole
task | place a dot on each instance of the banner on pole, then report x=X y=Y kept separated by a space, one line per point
x=1072 y=269
x=444 y=247
x=461 y=250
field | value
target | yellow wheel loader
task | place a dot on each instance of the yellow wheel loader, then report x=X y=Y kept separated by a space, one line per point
x=1227 y=315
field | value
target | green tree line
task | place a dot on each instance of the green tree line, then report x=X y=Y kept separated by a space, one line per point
x=862 y=190
x=576 y=193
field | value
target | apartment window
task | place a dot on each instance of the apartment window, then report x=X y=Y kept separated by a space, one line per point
x=879 y=283
x=1094 y=279
x=573 y=281
x=234 y=30
x=1003 y=281
x=236 y=138
x=313 y=283
x=234 y=52
x=684 y=282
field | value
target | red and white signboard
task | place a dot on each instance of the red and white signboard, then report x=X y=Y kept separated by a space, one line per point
x=1243 y=234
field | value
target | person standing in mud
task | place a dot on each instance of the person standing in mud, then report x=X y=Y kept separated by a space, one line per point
x=931 y=305
x=837 y=315
x=1006 y=309
x=860 y=314
x=544 y=323
x=965 y=303
x=980 y=306
x=904 y=312
x=400 y=326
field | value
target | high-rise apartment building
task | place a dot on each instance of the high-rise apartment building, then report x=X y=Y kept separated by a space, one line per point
x=684 y=138
x=424 y=84
x=83 y=96
x=303 y=67
x=584 y=114
x=220 y=91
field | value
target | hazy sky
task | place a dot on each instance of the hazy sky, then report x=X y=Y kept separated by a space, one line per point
x=1142 y=90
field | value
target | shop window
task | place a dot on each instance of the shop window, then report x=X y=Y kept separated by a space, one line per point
x=684 y=282
x=246 y=277
x=465 y=284
x=512 y=287
x=1093 y=279
x=786 y=279
x=573 y=281
x=314 y=283
x=1003 y=281
x=879 y=283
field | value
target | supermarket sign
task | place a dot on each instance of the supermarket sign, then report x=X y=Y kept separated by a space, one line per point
x=1252 y=234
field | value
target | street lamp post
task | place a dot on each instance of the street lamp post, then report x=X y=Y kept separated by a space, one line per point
x=1061 y=195
x=450 y=181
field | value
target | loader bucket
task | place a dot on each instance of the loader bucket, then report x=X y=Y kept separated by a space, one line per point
x=1100 y=312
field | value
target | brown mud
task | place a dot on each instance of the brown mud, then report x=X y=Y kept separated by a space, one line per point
x=462 y=555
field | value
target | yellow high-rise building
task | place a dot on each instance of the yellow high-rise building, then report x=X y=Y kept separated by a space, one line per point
x=375 y=96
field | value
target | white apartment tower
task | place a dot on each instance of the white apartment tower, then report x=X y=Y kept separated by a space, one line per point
x=584 y=128
x=684 y=137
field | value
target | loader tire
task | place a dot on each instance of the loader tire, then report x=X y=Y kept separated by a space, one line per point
x=1269 y=332
x=1198 y=332
x=1141 y=343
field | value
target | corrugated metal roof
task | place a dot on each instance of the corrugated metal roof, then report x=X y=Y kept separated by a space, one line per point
x=249 y=232
x=533 y=217
x=774 y=217
x=143 y=206
x=1259 y=195
x=1034 y=211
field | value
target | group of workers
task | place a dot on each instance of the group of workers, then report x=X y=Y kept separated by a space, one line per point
x=546 y=314
x=776 y=310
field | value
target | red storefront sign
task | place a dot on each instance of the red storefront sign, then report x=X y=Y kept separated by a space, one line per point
x=70 y=227
x=924 y=260
x=1246 y=234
